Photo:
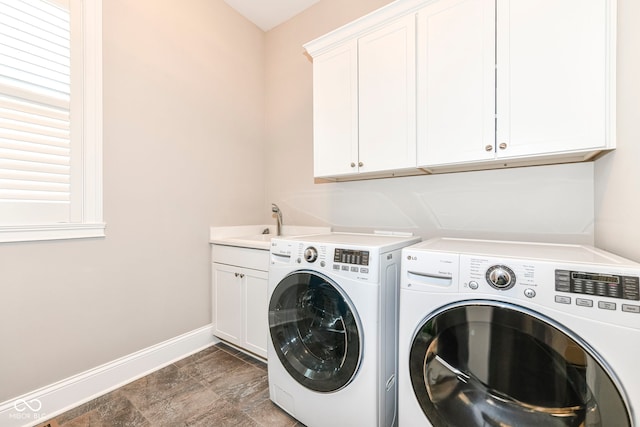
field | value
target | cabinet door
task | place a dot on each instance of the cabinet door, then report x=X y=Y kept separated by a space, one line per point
x=456 y=82
x=335 y=111
x=386 y=105
x=552 y=75
x=256 y=308
x=227 y=303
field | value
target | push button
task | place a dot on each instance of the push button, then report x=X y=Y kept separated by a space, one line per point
x=606 y=305
x=563 y=281
x=563 y=300
x=583 y=302
x=631 y=308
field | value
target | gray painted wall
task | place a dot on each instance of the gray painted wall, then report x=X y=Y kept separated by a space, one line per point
x=617 y=176
x=183 y=141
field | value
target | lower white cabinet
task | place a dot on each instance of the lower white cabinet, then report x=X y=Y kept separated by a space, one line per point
x=240 y=297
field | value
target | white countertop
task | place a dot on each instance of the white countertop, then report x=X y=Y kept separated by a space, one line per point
x=252 y=236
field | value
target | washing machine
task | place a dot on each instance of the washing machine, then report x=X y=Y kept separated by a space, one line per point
x=518 y=334
x=332 y=353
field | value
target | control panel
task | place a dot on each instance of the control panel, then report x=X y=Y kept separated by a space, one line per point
x=580 y=280
x=589 y=289
x=606 y=290
x=510 y=278
x=612 y=286
x=354 y=263
x=351 y=262
x=350 y=256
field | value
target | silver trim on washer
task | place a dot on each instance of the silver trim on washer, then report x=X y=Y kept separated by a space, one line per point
x=351 y=306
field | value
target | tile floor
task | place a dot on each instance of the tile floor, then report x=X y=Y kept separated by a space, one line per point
x=218 y=386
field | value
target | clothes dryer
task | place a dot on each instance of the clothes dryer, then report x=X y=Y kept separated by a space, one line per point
x=518 y=334
x=332 y=355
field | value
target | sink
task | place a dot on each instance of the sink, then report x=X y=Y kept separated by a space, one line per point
x=251 y=236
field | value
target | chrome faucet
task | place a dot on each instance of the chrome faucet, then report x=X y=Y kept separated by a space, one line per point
x=276 y=210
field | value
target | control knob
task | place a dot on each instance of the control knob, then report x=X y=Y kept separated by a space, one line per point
x=310 y=254
x=501 y=277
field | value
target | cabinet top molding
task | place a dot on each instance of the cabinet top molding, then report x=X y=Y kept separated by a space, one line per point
x=364 y=25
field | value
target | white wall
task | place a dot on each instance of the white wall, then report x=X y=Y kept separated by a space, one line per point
x=617 y=193
x=552 y=203
x=183 y=129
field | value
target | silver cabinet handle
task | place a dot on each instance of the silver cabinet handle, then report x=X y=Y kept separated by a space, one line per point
x=353 y=165
x=360 y=164
x=503 y=145
x=488 y=147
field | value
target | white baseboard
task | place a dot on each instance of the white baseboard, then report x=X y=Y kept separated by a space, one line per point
x=43 y=404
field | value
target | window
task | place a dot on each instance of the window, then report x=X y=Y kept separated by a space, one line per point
x=50 y=119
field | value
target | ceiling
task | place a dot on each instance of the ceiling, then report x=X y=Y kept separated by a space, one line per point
x=268 y=14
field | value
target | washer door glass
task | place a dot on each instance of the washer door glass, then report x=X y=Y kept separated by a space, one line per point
x=314 y=331
x=497 y=365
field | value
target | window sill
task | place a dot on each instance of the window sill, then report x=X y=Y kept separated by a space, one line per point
x=31 y=233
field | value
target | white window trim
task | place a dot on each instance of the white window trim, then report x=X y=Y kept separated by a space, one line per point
x=86 y=219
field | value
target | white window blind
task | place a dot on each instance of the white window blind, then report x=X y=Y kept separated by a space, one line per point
x=34 y=112
x=45 y=174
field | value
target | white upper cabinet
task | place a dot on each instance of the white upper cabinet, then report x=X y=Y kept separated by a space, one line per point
x=335 y=111
x=456 y=83
x=387 y=97
x=552 y=91
x=514 y=82
x=364 y=97
x=447 y=85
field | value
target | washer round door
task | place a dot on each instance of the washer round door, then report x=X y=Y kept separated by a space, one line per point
x=315 y=331
x=485 y=363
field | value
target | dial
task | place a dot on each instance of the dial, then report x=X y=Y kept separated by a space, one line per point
x=310 y=254
x=501 y=277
